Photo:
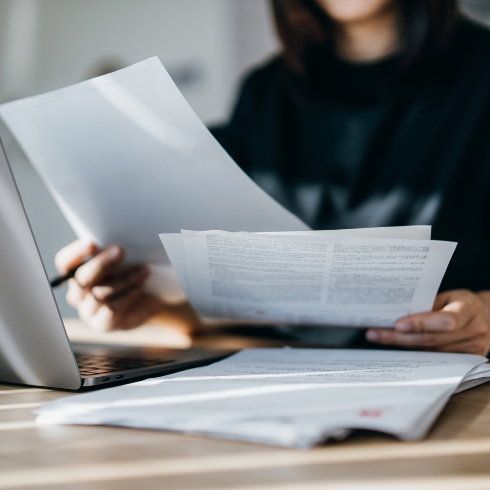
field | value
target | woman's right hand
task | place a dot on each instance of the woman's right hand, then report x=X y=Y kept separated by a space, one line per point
x=107 y=294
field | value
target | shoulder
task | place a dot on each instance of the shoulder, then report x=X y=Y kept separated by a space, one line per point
x=253 y=112
x=473 y=40
x=264 y=74
x=464 y=66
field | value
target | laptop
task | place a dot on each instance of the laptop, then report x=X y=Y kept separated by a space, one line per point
x=34 y=347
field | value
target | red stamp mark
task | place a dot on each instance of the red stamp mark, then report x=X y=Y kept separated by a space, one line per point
x=371 y=413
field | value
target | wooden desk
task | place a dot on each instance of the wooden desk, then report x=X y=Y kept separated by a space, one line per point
x=455 y=456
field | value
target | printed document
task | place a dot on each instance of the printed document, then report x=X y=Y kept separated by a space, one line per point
x=313 y=278
x=285 y=397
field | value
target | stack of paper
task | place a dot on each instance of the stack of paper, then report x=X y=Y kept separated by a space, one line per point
x=367 y=277
x=286 y=397
x=477 y=376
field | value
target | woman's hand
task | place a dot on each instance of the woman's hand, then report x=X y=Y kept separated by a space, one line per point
x=107 y=294
x=459 y=322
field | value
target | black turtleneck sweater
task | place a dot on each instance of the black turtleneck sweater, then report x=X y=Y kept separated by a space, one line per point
x=363 y=145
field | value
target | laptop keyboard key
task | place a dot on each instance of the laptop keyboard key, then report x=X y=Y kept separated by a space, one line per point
x=98 y=365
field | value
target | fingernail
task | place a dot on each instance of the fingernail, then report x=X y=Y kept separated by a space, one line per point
x=113 y=253
x=403 y=326
x=372 y=335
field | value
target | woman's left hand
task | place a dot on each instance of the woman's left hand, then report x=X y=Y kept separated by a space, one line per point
x=459 y=322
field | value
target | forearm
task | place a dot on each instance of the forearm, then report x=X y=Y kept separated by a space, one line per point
x=181 y=316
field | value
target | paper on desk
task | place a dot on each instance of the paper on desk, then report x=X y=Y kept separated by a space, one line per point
x=476 y=377
x=308 y=278
x=126 y=158
x=285 y=397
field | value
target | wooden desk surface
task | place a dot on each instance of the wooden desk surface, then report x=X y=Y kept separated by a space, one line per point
x=455 y=456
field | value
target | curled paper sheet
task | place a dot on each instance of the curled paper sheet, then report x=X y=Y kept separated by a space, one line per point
x=285 y=397
x=126 y=158
x=310 y=278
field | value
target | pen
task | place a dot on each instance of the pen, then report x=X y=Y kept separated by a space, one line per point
x=59 y=280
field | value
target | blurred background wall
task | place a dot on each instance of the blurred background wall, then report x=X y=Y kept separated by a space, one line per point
x=206 y=45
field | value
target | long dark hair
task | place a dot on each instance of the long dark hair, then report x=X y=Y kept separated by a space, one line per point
x=301 y=23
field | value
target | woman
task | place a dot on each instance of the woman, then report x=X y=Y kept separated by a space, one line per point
x=377 y=113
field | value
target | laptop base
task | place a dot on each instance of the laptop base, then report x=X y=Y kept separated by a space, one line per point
x=102 y=365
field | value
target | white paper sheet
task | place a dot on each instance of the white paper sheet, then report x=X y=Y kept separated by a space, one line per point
x=481 y=371
x=126 y=158
x=285 y=397
x=308 y=279
x=416 y=232
x=476 y=377
x=466 y=385
x=174 y=246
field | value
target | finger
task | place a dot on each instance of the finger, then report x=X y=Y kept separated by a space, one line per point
x=426 y=339
x=459 y=309
x=145 y=307
x=113 y=317
x=106 y=317
x=134 y=313
x=408 y=340
x=75 y=293
x=442 y=299
x=476 y=345
x=102 y=320
x=91 y=273
x=128 y=278
x=124 y=300
x=436 y=321
x=73 y=255
x=88 y=307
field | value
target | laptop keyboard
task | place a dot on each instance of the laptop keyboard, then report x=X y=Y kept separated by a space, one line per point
x=93 y=365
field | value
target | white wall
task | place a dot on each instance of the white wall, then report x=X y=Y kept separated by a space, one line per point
x=61 y=42
x=47 y=44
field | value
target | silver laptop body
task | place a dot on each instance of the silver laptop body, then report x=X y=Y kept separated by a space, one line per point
x=34 y=347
